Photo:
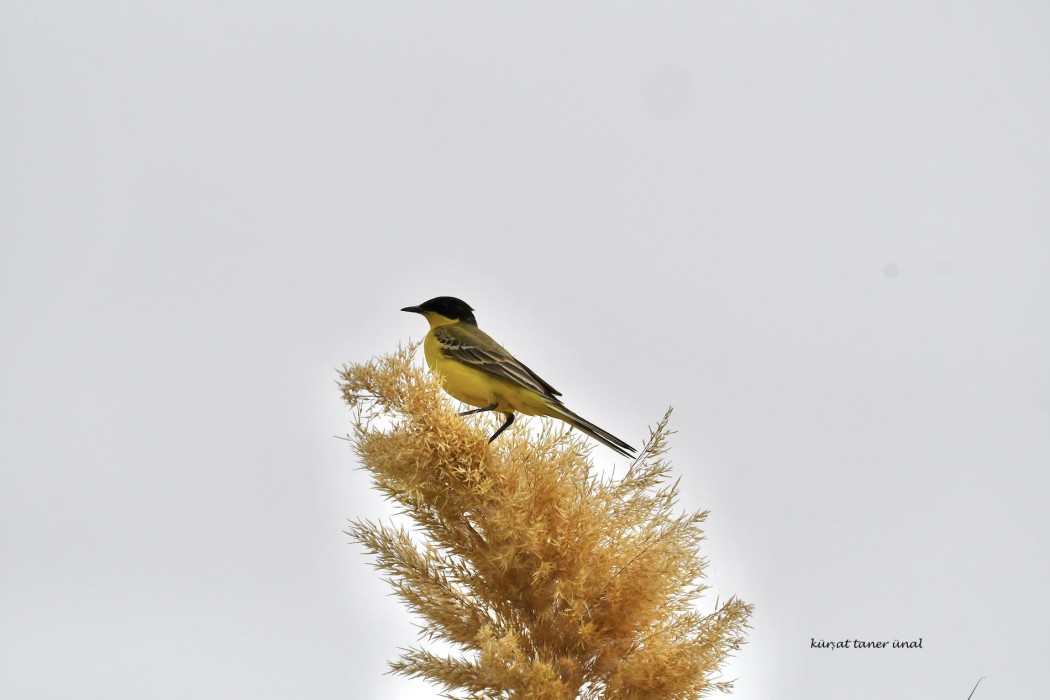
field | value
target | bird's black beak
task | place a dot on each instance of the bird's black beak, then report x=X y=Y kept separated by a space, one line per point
x=413 y=309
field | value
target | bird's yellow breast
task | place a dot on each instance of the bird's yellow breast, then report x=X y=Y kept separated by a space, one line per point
x=477 y=388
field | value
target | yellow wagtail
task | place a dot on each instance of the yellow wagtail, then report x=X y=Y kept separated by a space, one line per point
x=478 y=371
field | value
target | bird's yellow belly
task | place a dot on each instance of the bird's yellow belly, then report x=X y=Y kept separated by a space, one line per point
x=474 y=387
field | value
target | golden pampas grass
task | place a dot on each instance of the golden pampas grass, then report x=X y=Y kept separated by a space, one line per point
x=551 y=581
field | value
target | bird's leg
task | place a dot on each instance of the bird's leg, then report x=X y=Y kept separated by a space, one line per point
x=510 y=419
x=490 y=407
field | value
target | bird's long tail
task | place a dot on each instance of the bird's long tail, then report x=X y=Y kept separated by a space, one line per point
x=556 y=410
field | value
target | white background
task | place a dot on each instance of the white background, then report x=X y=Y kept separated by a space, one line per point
x=819 y=230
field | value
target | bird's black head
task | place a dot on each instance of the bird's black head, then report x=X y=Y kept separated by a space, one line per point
x=449 y=307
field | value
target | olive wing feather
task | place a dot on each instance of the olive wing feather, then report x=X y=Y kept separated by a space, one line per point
x=475 y=348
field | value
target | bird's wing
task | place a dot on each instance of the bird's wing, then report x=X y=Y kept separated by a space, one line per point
x=473 y=347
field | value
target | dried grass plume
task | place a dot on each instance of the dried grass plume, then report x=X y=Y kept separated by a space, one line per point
x=550 y=580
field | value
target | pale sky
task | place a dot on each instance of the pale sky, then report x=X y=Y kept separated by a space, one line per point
x=819 y=230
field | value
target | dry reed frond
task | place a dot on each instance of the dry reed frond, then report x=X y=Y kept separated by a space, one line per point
x=552 y=581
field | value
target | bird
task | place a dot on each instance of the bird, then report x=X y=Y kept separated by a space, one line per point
x=478 y=371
